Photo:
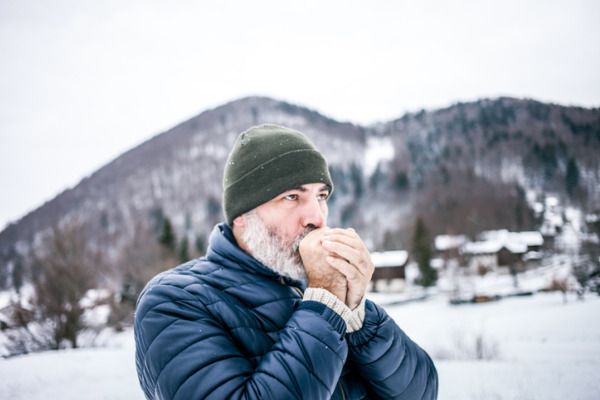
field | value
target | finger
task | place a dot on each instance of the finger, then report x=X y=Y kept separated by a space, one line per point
x=347 y=236
x=353 y=242
x=348 y=232
x=360 y=258
x=345 y=268
x=343 y=251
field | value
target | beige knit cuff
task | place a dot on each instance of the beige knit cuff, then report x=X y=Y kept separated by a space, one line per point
x=358 y=317
x=353 y=318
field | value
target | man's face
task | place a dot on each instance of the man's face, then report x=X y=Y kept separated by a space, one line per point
x=272 y=232
x=292 y=212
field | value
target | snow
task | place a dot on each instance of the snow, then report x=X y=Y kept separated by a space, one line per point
x=379 y=149
x=484 y=247
x=569 y=239
x=394 y=258
x=545 y=349
x=493 y=241
x=501 y=283
x=99 y=373
x=536 y=348
x=552 y=202
x=591 y=218
x=447 y=242
x=538 y=208
x=5 y=297
x=533 y=255
x=529 y=238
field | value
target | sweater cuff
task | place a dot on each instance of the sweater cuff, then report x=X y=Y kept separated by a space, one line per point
x=353 y=318
x=357 y=318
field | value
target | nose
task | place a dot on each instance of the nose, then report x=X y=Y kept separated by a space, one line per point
x=314 y=213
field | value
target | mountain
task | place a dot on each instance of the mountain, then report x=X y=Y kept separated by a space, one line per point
x=464 y=168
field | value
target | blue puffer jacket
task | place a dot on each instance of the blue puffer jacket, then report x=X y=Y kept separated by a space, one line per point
x=227 y=327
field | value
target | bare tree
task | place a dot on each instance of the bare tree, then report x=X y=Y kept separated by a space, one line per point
x=51 y=316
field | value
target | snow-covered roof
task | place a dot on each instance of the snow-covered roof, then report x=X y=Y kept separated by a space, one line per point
x=529 y=238
x=483 y=247
x=447 y=242
x=493 y=246
x=515 y=247
x=394 y=258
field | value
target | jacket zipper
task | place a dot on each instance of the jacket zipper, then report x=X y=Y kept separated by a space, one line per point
x=298 y=291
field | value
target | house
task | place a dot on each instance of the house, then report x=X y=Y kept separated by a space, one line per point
x=501 y=248
x=532 y=239
x=390 y=268
x=481 y=256
x=448 y=246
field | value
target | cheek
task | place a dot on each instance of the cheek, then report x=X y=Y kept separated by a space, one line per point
x=284 y=224
x=291 y=229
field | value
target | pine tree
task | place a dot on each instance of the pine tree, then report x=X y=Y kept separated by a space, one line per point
x=356 y=176
x=167 y=237
x=572 y=177
x=422 y=253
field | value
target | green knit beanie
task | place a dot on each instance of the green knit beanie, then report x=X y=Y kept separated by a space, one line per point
x=265 y=161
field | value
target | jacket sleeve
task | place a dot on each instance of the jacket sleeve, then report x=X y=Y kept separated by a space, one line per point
x=390 y=363
x=184 y=352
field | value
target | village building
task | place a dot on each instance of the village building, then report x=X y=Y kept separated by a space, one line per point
x=502 y=249
x=390 y=270
x=448 y=246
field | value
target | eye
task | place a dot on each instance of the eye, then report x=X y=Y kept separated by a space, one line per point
x=323 y=196
x=291 y=197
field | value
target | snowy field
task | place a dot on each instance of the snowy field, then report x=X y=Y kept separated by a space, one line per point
x=537 y=347
x=522 y=348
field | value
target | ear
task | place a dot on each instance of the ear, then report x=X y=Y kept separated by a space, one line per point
x=238 y=225
x=239 y=221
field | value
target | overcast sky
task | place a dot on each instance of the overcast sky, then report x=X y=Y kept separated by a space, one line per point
x=82 y=81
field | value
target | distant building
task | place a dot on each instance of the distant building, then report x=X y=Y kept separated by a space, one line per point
x=448 y=246
x=532 y=239
x=389 y=266
x=501 y=248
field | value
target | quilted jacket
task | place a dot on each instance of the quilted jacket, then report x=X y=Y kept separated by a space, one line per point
x=227 y=327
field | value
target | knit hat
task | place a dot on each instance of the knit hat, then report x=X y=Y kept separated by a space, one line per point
x=265 y=161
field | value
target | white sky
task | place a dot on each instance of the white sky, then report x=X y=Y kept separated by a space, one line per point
x=82 y=81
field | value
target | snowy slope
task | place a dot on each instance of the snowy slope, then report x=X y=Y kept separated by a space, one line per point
x=539 y=348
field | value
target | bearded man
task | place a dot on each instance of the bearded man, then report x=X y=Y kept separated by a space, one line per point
x=277 y=308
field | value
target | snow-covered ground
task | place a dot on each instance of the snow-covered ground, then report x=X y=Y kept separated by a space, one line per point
x=532 y=348
x=538 y=347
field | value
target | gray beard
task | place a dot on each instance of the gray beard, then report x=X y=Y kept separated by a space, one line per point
x=266 y=246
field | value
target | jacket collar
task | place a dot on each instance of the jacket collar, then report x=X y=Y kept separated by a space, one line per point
x=224 y=250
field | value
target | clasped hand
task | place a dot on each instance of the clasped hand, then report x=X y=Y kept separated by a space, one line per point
x=337 y=260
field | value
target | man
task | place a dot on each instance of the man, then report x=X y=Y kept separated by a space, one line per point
x=276 y=309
